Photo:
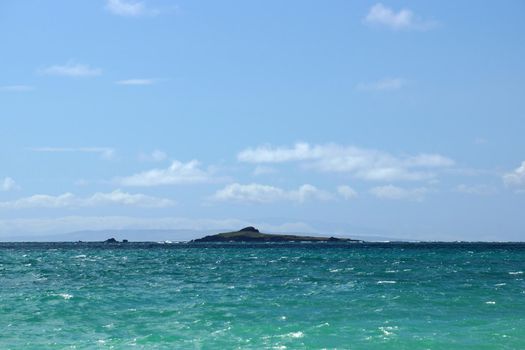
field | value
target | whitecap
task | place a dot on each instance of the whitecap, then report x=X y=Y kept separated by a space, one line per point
x=65 y=296
x=516 y=273
x=298 y=334
x=490 y=302
x=326 y=324
x=386 y=282
x=388 y=330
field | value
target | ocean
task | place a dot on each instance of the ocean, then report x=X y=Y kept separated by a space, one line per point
x=262 y=296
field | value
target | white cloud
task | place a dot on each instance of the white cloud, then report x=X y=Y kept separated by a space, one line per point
x=155 y=156
x=104 y=152
x=380 y=15
x=40 y=201
x=176 y=173
x=268 y=154
x=116 y=197
x=516 y=178
x=130 y=8
x=71 y=69
x=387 y=84
x=362 y=163
x=306 y=192
x=482 y=190
x=124 y=198
x=7 y=184
x=125 y=8
x=346 y=192
x=394 y=192
x=136 y=82
x=17 y=88
x=257 y=193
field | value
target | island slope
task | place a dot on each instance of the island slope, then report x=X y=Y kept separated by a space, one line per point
x=251 y=234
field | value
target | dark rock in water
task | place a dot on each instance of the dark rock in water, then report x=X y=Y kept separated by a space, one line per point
x=125 y=241
x=249 y=229
x=251 y=234
x=111 y=240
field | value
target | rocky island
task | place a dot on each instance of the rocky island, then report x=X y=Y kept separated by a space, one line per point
x=251 y=234
x=113 y=240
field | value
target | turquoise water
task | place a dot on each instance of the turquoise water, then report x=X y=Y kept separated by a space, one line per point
x=268 y=296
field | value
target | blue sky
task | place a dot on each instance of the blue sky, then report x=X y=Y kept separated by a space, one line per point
x=396 y=118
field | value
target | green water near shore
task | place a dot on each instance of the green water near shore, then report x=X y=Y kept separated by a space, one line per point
x=270 y=296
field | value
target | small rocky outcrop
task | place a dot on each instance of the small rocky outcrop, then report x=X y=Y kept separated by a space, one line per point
x=111 y=240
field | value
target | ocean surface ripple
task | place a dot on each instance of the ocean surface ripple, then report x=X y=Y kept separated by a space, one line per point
x=262 y=296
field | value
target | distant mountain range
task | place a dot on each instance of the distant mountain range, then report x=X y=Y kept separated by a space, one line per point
x=179 y=235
